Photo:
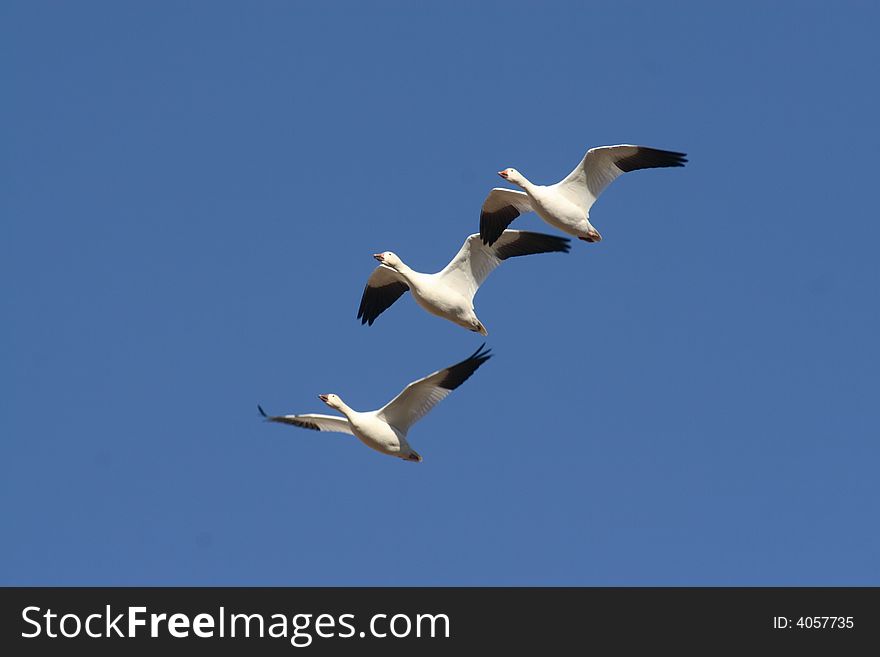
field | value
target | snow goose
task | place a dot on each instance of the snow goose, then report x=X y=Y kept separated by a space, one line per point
x=450 y=293
x=566 y=204
x=385 y=430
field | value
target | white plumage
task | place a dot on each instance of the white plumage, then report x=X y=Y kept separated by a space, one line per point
x=566 y=204
x=386 y=429
x=450 y=293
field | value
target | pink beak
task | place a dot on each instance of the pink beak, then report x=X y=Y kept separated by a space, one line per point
x=503 y=174
x=379 y=257
x=323 y=398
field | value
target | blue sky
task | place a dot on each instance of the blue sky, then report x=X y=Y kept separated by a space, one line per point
x=190 y=194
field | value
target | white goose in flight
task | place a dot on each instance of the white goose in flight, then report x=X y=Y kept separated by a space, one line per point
x=385 y=430
x=450 y=293
x=566 y=205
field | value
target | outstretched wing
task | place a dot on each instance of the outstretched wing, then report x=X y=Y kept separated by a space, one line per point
x=313 y=421
x=421 y=396
x=602 y=165
x=383 y=288
x=500 y=208
x=475 y=260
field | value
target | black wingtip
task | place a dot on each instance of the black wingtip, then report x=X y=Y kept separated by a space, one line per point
x=530 y=243
x=493 y=224
x=375 y=301
x=480 y=354
x=679 y=159
x=262 y=412
x=651 y=158
x=461 y=372
x=479 y=357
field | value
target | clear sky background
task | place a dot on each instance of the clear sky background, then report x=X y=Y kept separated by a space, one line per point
x=190 y=194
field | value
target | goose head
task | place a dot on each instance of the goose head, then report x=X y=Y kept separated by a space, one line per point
x=333 y=401
x=389 y=259
x=512 y=175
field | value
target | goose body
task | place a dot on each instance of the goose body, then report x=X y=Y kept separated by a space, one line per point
x=450 y=293
x=559 y=211
x=566 y=204
x=375 y=432
x=385 y=430
x=433 y=294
